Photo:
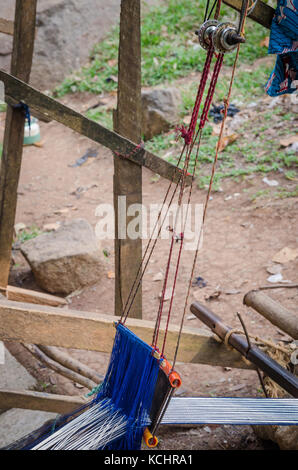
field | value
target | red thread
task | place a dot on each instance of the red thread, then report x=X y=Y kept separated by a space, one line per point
x=187 y=134
x=128 y=155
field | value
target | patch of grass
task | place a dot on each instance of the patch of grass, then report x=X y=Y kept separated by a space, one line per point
x=260 y=194
x=169 y=49
x=283 y=193
x=104 y=117
x=28 y=234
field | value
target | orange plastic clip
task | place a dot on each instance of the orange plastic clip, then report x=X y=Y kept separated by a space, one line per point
x=173 y=376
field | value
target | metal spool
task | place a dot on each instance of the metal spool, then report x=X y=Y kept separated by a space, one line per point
x=225 y=37
x=205 y=33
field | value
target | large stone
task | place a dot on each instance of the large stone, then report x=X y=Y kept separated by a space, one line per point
x=160 y=110
x=65 y=260
x=286 y=437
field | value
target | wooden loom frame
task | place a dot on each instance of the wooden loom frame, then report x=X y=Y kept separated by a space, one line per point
x=43 y=324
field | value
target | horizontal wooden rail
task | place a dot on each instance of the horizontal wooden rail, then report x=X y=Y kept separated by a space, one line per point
x=261 y=14
x=6 y=26
x=16 y=91
x=39 y=324
x=30 y=400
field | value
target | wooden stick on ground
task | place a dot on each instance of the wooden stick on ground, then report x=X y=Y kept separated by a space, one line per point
x=33 y=297
x=36 y=352
x=70 y=363
x=274 y=312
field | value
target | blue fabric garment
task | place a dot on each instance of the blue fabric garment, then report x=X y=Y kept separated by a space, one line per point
x=284 y=43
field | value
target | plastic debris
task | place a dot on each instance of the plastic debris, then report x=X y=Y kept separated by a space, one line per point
x=275 y=278
x=217 y=112
x=91 y=153
x=270 y=182
x=199 y=282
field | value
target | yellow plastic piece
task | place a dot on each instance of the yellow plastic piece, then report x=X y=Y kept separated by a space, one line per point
x=150 y=440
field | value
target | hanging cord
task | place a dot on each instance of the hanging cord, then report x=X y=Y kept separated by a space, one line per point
x=226 y=106
x=162 y=300
x=134 y=289
x=202 y=123
x=187 y=134
x=189 y=143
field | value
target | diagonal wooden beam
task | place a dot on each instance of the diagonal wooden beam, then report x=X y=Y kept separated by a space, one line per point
x=40 y=324
x=16 y=91
x=262 y=13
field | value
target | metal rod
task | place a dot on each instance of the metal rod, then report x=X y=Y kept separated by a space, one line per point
x=274 y=370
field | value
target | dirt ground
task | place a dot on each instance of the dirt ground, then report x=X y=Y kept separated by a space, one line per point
x=240 y=238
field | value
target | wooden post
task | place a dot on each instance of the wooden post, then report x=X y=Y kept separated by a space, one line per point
x=127 y=175
x=23 y=43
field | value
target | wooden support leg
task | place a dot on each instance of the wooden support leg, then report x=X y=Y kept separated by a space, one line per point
x=24 y=30
x=127 y=175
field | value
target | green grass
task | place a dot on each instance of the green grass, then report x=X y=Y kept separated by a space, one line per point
x=169 y=49
x=28 y=234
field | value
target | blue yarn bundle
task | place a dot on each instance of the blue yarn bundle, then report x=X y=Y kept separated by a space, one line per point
x=130 y=383
x=123 y=399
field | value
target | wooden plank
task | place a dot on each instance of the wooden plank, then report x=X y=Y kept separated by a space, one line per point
x=262 y=13
x=30 y=400
x=33 y=297
x=22 y=53
x=6 y=26
x=39 y=324
x=16 y=91
x=128 y=175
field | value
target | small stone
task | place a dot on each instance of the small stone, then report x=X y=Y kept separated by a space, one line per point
x=158 y=277
x=274 y=269
x=19 y=227
x=207 y=429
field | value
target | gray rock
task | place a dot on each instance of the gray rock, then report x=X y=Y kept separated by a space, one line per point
x=16 y=424
x=160 y=109
x=65 y=260
x=13 y=375
x=286 y=437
